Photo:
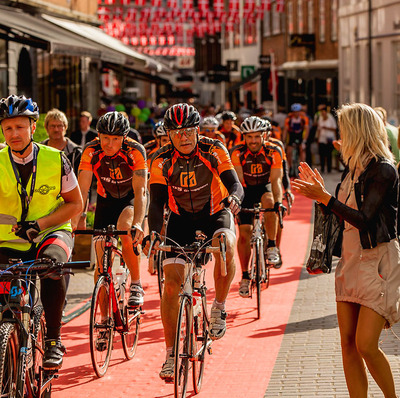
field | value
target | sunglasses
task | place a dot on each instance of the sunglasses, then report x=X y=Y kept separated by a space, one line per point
x=208 y=130
x=190 y=132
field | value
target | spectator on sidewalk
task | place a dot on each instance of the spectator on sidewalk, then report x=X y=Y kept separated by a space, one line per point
x=326 y=134
x=367 y=280
x=84 y=134
x=392 y=132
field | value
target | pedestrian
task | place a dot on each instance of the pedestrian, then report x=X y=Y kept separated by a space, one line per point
x=367 y=280
x=326 y=134
x=85 y=133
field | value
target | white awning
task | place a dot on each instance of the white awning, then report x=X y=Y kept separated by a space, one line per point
x=317 y=64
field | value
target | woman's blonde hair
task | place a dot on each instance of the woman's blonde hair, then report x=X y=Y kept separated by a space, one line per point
x=363 y=135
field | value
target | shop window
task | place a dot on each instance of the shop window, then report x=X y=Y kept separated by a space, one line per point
x=3 y=69
x=310 y=16
x=300 y=17
x=322 y=22
x=334 y=20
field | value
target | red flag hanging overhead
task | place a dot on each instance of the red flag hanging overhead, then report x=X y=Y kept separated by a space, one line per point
x=280 y=5
x=131 y=14
x=249 y=6
x=109 y=2
x=233 y=5
x=125 y=2
x=156 y=3
x=187 y=4
x=172 y=4
x=265 y=5
x=140 y=3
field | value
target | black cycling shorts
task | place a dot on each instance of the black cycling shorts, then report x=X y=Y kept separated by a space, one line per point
x=182 y=228
x=109 y=209
x=295 y=138
x=252 y=196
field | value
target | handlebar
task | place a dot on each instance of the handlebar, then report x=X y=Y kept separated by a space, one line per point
x=259 y=210
x=289 y=201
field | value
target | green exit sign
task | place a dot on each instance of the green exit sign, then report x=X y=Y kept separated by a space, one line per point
x=247 y=70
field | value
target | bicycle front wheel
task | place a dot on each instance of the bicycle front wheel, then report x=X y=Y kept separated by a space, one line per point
x=257 y=254
x=131 y=317
x=182 y=348
x=8 y=359
x=38 y=337
x=101 y=328
x=200 y=340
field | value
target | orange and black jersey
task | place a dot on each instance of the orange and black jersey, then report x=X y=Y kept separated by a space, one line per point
x=233 y=137
x=151 y=148
x=194 y=181
x=285 y=177
x=257 y=166
x=114 y=173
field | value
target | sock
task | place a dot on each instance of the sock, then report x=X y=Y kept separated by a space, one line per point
x=271 y=243
x=217 y=304
x=245 y=275
x=136 y=282
x=169 y=352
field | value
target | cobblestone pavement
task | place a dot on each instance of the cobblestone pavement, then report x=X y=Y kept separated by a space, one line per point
x=309 y=363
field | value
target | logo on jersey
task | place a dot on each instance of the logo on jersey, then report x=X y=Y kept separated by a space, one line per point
x=116 y=174
x=188 y=179
x=256 y=169
x=45 y=189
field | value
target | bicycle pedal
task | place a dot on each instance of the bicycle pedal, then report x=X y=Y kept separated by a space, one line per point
x=169 y=380
x=209 y=350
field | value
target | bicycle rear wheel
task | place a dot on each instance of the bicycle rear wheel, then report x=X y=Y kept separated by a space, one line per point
x=101 y=330
x=182 y=348
x=200 y=339
x=159 y=258
x=258 y=281
x=131 y=317
x=8 y=359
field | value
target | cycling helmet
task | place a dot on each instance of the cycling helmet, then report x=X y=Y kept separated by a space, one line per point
x=295 y=107
x=209 y=121
x=113 y=123
x=181 y=116
x=159 y=129
x=14 y=106
x=228 y=115
x=254 y=124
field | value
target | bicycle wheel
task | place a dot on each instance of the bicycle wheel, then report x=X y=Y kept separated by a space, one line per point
x=131 y=317
x=258 y=279
x=199 y=337
x=159 y=258
x=8 y=359
x=101 y=330
x=182 y=348
x=38 y=337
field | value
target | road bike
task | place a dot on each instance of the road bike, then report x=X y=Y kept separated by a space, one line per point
x=109 y=311
x=192 y=340
x=23 y=328
x=259 y=270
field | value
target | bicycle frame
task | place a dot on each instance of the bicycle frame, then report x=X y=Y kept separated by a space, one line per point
x=258 y=235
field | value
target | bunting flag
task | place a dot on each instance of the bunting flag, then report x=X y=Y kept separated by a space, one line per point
x=265 y=5
x=125 y=2
x=280 y=5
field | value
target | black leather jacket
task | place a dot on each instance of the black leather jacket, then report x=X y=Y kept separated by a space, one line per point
x=376 y=194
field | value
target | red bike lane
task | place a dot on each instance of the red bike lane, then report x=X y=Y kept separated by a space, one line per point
x=241 y=363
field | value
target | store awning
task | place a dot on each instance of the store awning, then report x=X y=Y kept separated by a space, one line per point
x=97 y=36
x=317 y=64
x=24 y=28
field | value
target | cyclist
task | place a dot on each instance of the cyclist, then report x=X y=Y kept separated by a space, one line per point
x=296 y=132
x=259 y=167
x=230 y=131
x=209 y=128
x=38 y=195
x=119 y=165
x=194 y=176
x=161 y=139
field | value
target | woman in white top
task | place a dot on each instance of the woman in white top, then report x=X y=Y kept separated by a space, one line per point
x=326 y=134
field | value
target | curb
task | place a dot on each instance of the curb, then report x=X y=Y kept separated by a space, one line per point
x=78 y=310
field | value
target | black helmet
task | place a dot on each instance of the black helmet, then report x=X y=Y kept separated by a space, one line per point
x=228 y=115
x=209 y=121
x=254 y=124
x=159 y=129
x=181 y=116
x=113 y=123
x=14 y=106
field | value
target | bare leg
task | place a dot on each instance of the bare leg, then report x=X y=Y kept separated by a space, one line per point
x=243 y=246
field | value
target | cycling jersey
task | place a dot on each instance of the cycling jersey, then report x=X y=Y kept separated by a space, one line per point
x=295 y=126
x=285 y=177
x=257 y=166
x=193 y=181
x=233 y=137
x=151 y=148
x=114 y=173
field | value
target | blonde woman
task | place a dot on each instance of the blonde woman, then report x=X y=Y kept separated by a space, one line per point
x=367 y=280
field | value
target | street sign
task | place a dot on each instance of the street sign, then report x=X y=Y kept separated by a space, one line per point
x=233 y=65
x=247 y=70
x=264 y=59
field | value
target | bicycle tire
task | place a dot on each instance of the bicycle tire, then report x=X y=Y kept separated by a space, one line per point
x=199 y=344
x=131 y=317
x=160 y=271
x=100 y=353
x=8 y=359
x=182 y=348
x=38 y=338
x=258 y=277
